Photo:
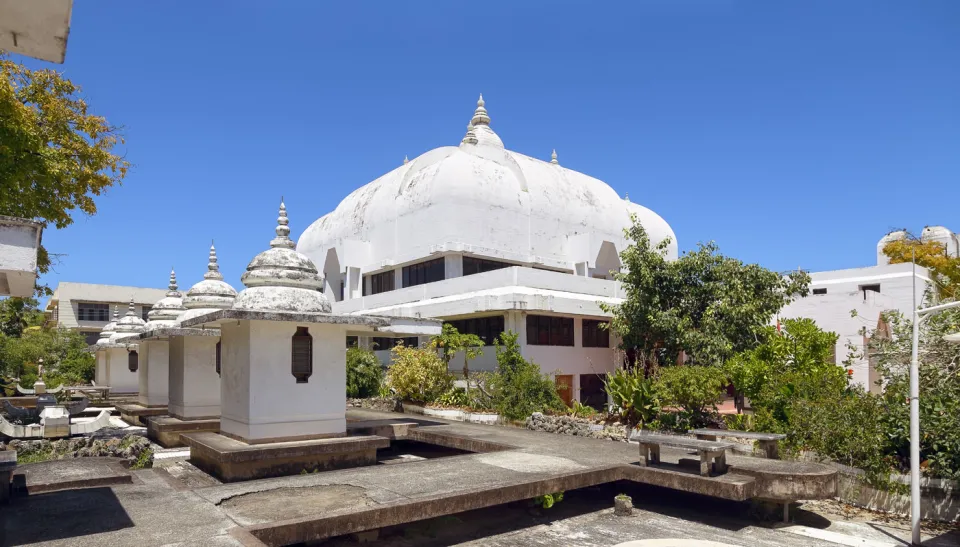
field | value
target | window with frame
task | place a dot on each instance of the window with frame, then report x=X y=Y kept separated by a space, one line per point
x=381 y=282
x=88 y=311
x=353 y=341
x=487 y=328
x=819 y=291
x=473 y=265
x=546 y=330
x=873 y=287
x=133 y=360
x=91 y=337
x=424 y=272
x=144 y=310
x=301 y=359
x=596 y=333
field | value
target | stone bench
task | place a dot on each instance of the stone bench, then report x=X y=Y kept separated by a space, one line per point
x=769 y=442
x=8 y=462
x=710 y=451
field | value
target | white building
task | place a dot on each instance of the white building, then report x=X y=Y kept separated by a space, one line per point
x=19 y=241
x=487 y=239
x=88 y=307
x=868 y=291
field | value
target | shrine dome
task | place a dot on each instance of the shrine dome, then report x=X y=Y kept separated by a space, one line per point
x=482 y=198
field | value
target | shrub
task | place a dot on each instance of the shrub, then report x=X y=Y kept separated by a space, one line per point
x=418 y=374
x=364 y=373
x=696 y=391
x=517 y=388
x=633 y=394
x=580 y=410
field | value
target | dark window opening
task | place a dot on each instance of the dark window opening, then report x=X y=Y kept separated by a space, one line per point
x=424 y=272
x=91 y=337
x=353 y=341
x=473 y=265
x=487 y=328
x=302 y=355
x=381 y=282
x=819 y=291
x=343 y=286
x=592 y=390
x=874 y=287
x=218 y=358
x=93 y=312
x=144 y=311
x=596 y=334
x=133 y=361
x=544 y=330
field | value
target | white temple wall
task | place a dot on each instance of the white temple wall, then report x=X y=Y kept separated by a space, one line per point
x=194 y=382
x=256 y=369
x=154 y=373
x=100 y=375
x=119 y=377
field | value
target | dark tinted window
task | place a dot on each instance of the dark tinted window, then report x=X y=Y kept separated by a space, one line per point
x=596 y=334
x=487 y=328
x=544 y=330
x=381 y=282
x=93 y=312
x=473 y=265
x=424 y=272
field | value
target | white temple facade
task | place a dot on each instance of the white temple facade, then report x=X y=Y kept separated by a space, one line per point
x=489 y=240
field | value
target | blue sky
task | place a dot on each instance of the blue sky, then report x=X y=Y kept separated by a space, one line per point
x=792 y=134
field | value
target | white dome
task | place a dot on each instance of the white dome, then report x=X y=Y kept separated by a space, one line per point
x=210 y=294
x=281 y=279
x=481 y=195
x=895 y=235
x=943 y=236
x=166 y=310
x=129 y=325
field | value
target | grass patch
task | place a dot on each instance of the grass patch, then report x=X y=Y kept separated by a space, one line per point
x=144 y=460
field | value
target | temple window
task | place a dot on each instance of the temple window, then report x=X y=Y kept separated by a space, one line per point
x=302 y=355
x=596 y=334
x=424 y=272
x=133 y=360
x=218 y=358
x=545 y=330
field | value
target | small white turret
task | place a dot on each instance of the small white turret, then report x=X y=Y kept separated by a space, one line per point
x=210 y=294
x=168 y=309
x=895 y=235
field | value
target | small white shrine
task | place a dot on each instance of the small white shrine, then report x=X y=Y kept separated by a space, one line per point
x=117 y=353
x=283 y=367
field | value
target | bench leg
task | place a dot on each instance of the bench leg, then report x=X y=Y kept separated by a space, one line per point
x=720 y=462
x=770 y=449
x=704 y=464
x=650 y=453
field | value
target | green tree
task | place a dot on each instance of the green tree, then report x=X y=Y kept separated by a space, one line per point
x=704 y=305
x=696 y=391
x=931 y=255
x=55 y=156
x=17 y=314
x=451 y=341
x=62 y=351
x=418 y=374
x=518 y=388
x=364 y=373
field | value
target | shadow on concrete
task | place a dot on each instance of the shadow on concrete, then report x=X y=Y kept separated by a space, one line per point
x=66 y=514
x=950 y=538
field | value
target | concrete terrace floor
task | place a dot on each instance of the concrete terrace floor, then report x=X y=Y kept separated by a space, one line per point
x=176 y=504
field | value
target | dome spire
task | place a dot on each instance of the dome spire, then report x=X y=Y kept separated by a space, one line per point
x=130 y=309
x=626 y=197
x=283 y=231
x=480 y=116
x=173 y=282
x=213 y=269
x=406 y=160
x=471 y=136
x=553 y=157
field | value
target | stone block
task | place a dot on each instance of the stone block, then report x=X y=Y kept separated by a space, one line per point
x=55 y=422
x=166 y=430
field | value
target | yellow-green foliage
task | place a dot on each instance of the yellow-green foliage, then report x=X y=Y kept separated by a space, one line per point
x=418 y=374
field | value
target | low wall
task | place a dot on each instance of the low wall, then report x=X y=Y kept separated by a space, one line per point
x=455 y=414
x=939 y=498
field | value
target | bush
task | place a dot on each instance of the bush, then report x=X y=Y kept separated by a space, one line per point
x=633 y=394
x=696 y=391
x=418 y=374
x=364 y=373
x=518 y=389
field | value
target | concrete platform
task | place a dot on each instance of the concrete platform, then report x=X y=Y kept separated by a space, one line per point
x=37 y=478
x=231 y=460
x=166 y=430
x=136 y=414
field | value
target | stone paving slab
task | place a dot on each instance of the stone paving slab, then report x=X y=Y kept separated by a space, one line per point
x=72 y=473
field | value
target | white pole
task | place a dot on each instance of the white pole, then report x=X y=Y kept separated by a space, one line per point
x=915 y=417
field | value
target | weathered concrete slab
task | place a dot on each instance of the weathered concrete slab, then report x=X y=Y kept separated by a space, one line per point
x=166 y=430
x=73 y=473
x=136 y=414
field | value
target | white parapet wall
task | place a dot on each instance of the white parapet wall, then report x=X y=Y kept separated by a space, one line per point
x=19 y=241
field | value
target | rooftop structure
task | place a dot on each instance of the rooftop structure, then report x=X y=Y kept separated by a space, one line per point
x=209 y=294
x=86 y=306
x=424 y=239
x=36 y=28
x=19 y=241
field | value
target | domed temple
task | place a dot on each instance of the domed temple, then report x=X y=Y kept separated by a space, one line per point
x=487 y=239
